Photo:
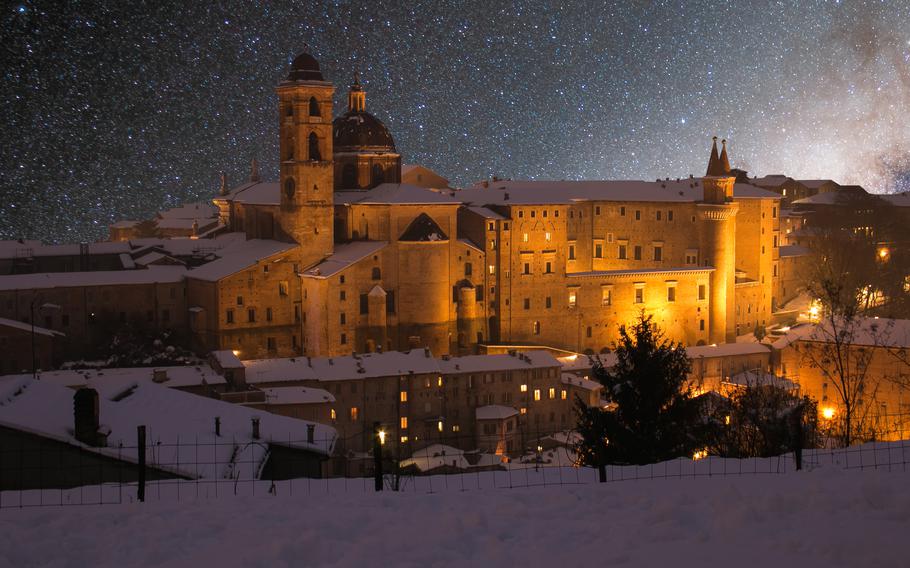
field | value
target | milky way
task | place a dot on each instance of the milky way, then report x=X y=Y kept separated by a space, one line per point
x=115 y=111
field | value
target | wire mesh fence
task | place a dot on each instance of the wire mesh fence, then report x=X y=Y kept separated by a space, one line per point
x=39 y=472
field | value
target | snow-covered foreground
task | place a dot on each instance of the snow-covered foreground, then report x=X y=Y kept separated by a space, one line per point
x=826 y=517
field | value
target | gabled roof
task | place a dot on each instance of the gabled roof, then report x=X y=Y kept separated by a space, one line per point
x=423 y=229
x=232 y=260
x=494 y=412
x=360 y=366
x=345 y=255
x=150 y=275
x=396 y=194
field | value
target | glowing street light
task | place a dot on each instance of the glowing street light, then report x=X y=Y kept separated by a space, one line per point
x=828 y=412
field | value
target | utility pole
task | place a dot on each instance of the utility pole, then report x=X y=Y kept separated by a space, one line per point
x=377 y=456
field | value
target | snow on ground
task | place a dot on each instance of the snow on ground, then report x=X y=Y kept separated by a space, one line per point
x=829 y=516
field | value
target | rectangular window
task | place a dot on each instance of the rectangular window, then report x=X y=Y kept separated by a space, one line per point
x=342 y=296
x=610 y=238
x=606 y=296
x=638 y=214
x=230 y=316
x=598 y=251
x=297 y=312
x=551 y=393
x=364 y=304
x=597 y=210
x=573 y=297
x=536 y=394
x=344 y=339
x=622 y=211
x=549 y=267
x=563 y=395
x=251 y=315
x=390 y=302
x=549 y=302
x=283 y=288
x=701 y=325
x=403 y=396
x=491 y=226
x=527 y=268
x=547 y=236
x=527 y=303
x=268 y=314
x=333 y=414
x=622 y=252
x=658 y=253
x=342 y=319
x=670 y=215
x=524 y=237
x=271 y=344
x=239 y=300
x=403 y=423
x=468 y=269
x=523 y=388
x=355 y=414
x=671 y=294
x=571 y=252
x=639 y=295
x=637 y=252
x=658 y=215
x=701 y=291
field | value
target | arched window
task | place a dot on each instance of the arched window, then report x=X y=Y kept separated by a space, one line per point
x=314 y=107
x=377 y=175
x=290 y=149
x=349 y=176
x=377 y=274
x=289 y=188
x=314 y=147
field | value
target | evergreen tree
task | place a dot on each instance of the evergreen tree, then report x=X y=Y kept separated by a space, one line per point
x=651 y=414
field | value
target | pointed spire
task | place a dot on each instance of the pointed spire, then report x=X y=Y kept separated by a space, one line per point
x=224 y=189
x=254 y=171
x=724 y=161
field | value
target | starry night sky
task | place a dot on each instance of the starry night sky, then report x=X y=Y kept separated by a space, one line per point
x=116 y=110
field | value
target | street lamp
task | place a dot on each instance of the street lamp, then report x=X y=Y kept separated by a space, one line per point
x=44 y=306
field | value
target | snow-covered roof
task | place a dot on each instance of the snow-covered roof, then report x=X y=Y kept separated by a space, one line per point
x=869 y=332
x=26 y=249
x=185 y=224
x=27 y=327
x=772 y=180
x=232 y=260
x=494 y=412
x=169 y=416
x=256 y=193
x=226 y=358
x=361 y=366
x=570 y=379
x=686 y=190
x=470 y=243
x=485 y=212
x=297 y=395
x=396 y=194
x=898 y=199
x=182 y=246
x=491 y=363
x=761 y=378
x=815 y=183
x=344 y=256
x=175 y=377
x=727 y=349
x=150 y=275
x=793 y=250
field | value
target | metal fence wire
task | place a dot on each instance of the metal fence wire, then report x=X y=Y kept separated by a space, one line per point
x=38 y=472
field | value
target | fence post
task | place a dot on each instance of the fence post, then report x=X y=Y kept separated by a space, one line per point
x=140 y=433
x=377 y=457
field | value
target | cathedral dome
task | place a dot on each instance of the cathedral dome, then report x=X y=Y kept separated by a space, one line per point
x=360 y=131
x=305 y=68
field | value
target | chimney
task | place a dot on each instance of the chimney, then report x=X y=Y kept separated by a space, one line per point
x=86 y=416
x=310 y=433
x=217 y=425
x=255 y=421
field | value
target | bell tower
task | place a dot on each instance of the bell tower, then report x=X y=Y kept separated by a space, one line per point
x=306 y=169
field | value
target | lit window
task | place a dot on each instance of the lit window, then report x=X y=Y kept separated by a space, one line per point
x=536 y=394
x=563 y=394
x=456 y=428
x=404 y=396
x=639 y=295
x=492 y=269
x=606 y=296
x=333 y=415
x=524 y=388
x=551 y=393
x=354 y=414
x=523 y=410
x=404 y=439
x=573 y=296
x=547 y=236
x=404 y=422
x=439 y=382
x=524 y=237
x=439 y=425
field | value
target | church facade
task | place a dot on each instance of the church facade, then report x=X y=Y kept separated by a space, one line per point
x=352 y=260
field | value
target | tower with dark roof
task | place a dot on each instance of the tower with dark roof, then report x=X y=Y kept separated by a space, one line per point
x=306 y=169
x=365 y=154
